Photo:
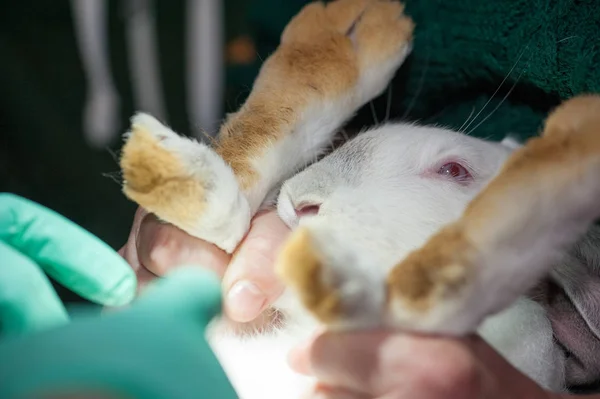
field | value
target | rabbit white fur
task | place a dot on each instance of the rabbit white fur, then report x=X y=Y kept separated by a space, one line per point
x=386 y=199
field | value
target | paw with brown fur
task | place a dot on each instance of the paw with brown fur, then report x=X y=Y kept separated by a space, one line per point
x=183 y=182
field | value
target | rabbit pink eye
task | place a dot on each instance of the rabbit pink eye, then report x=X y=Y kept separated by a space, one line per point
x=455 y=171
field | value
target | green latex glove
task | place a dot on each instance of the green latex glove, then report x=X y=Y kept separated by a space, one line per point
x=34 y=240
x=155 y=349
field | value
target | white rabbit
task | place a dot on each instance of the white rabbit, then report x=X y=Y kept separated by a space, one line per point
x=386 y=192
x=404 y=226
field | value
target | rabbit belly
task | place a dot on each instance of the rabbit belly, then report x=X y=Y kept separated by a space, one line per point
x=257 y=366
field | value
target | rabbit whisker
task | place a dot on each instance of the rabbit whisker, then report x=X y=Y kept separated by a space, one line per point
x=567 y=38
x=420 y=87
x=331 y=145
x=504 y=98
x=344 y=134
x=375 y=119
x=116 y=177
x=499 y=87
x=388 y=108
x=113 y=155
x=466 y=120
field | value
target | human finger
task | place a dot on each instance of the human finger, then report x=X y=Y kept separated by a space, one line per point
x=378 y=363
x=250 y=282
x=162 y=247
x=129 y=250
x=28 y=301
x=68 y=253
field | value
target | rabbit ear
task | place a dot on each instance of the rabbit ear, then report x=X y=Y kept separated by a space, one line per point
x=316 y=80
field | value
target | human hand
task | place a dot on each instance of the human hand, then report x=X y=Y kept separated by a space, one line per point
x=390 y=365
x=34 y=240
x=249 y=282
x=154 y=349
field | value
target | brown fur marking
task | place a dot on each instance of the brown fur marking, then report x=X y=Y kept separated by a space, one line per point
x=300 y=266
x=439 y=267
x=157 y=180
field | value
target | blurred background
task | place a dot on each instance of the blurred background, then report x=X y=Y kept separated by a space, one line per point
x=72 y=72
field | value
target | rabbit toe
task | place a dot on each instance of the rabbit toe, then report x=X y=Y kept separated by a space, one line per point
x=383 y=39
x=317 y=19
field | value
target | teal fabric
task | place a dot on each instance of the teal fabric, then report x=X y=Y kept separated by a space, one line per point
x=44 y=350
x=154 y=349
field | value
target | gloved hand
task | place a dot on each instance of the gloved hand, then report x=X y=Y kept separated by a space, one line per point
x=154 y=349
x=34 y=240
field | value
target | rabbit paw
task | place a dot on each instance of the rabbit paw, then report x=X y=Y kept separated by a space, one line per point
x=349 y=44
x=183 y=182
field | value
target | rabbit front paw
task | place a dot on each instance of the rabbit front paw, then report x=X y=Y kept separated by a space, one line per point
x=347 y=45
x=183 y=182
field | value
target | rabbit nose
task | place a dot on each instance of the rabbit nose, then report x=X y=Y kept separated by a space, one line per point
x=307 y=210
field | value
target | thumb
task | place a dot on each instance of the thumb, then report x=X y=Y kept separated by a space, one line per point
x=250 y=280
x=189 y=292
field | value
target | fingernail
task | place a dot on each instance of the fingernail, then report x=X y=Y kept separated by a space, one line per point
x=245 y=301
